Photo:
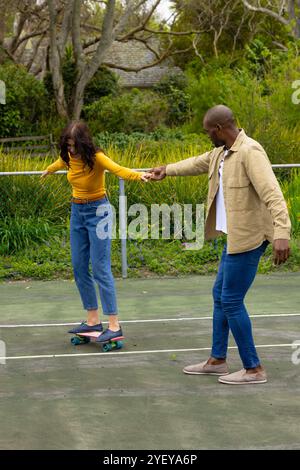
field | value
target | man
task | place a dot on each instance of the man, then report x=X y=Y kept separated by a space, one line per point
x=246 y=203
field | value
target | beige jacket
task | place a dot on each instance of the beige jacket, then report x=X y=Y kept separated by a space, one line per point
x=254 y=204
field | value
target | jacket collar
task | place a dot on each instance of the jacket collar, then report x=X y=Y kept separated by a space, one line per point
x=238 y=141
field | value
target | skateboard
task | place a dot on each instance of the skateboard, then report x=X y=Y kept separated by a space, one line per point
x=84 y=338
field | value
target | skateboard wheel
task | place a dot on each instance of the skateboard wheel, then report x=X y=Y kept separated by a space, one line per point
x=76 y=340
x=107 y=347
x=112 y=345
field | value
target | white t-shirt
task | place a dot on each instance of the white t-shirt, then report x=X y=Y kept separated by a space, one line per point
x=221 y=220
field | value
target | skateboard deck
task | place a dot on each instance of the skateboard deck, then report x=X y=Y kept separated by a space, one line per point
x=84 y=338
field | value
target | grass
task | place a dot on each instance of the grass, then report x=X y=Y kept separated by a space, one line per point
x=148 y=258
x=34 y=220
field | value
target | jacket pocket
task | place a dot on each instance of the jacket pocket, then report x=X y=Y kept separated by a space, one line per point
x=238 y=194
x=241 y=182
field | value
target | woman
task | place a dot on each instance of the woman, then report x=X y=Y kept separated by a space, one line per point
x=91 y=210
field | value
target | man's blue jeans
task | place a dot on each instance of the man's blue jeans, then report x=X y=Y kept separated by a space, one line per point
x=86 y=246
x=235 y=276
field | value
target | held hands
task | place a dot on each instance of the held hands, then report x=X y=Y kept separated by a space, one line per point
x=155 y=174
x=145 y=177
x=281 y=251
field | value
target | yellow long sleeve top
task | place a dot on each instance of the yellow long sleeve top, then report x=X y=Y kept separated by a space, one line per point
x=90 y=184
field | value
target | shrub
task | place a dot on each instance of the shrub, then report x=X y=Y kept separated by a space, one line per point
x=25 y=102
x=147 y=142
x=263 y=107
x=17 y=233
x=133 y=111
x=173 y=87
x=291 y=191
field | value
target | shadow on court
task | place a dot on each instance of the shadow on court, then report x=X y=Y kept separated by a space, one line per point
x=57 y=396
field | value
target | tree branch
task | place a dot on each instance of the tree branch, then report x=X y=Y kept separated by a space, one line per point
x=106 y=39
x=126 y=16
x=66 y=26
x=267 y=11
x=148 y=66
x=31 y=35
x=173 y=33
x=147 y=45
x=196 y=49
x=35 y=50
x=55 y=63
x=144 y=22
x=89 y=71
x=76 y=36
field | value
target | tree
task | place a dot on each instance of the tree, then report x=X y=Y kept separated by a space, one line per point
x=21 y=21
x=286 y=12
x=225 y=27
x=222 y=26
x=82 y=24
x=120 y=22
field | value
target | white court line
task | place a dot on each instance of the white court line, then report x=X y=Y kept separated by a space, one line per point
x=154 y=320
x=55 y=356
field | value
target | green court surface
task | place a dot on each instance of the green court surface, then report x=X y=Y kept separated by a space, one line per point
x=57 y=396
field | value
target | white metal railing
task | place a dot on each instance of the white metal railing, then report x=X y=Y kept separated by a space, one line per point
x=122 y=205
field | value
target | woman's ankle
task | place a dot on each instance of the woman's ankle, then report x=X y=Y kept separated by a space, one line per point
x=113 y=323
x=93 y=317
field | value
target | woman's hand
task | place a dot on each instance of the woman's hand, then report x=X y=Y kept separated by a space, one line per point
x=146 y=177
x=45 y=173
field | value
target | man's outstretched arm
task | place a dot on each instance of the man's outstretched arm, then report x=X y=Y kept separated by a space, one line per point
x=189 y=167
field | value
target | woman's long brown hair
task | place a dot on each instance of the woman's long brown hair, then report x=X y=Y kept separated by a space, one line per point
x=84 y=145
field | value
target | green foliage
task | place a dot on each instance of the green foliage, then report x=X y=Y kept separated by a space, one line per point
x=31 y=210
x=17 y=232
x=173 y=87
x=147 y=143
x=52 y=260
x=135 y=111
x=226 y=28
x=291 y=191
x=29 y=195
x=262 y=105
x=258 y=55
x=236 y=89
x=25 y=102
x=34 y=220
x=103 y=83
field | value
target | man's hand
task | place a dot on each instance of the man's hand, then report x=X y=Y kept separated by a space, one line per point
x=281 y=251
x=158 y=173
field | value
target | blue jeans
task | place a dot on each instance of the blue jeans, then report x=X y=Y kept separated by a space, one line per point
x=86 y=246
x=235 y=276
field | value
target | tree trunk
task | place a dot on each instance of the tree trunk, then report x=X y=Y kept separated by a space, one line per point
x=297 y=18
x=56 y=65
x=86 y=73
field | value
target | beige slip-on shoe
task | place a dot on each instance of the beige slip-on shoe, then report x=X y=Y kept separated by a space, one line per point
x=206 y=369
x=242 y=378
